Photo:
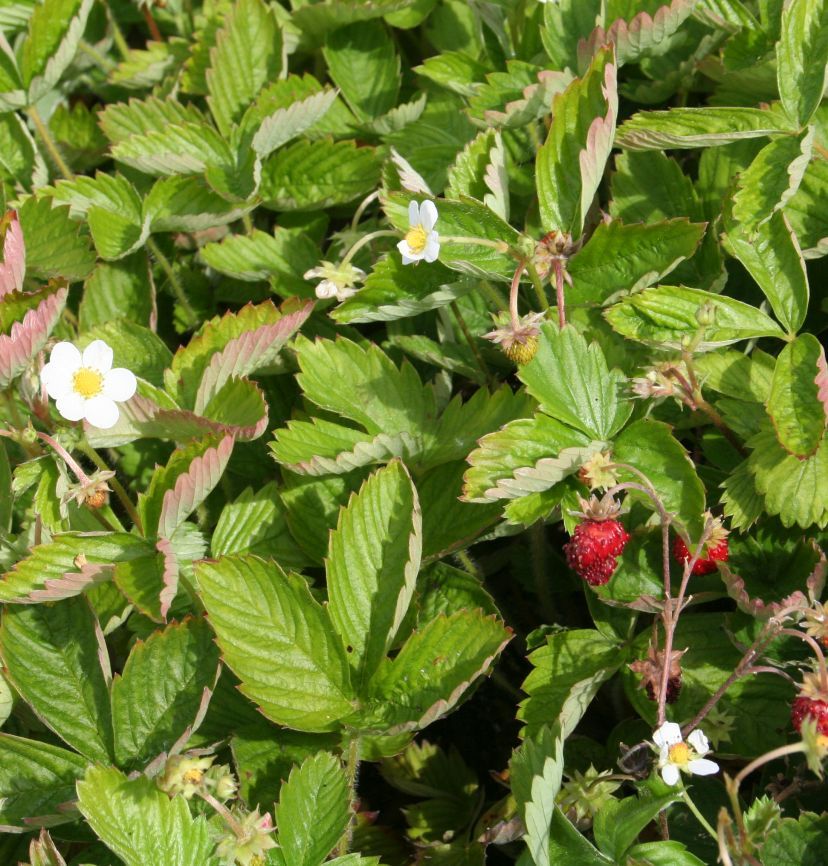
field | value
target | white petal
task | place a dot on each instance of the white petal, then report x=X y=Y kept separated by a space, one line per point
x=703 y=767
x=432 y=248
x=359 y=274
x=101 y=412
x=119 y=384
x=313 y=273
x=56 y=379
x=699 y=742
x=98 y=356
x=670 y=774
x=664 y=756
x=71 y=405
x=65 y=355
x=413 y=213
x=326 y=289
x=668 y=734
x=428 y=215
x=345 y=292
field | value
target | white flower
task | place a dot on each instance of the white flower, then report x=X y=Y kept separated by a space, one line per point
x=420 y=241
x=675 y=754
x=85 y=385
x=338 y=281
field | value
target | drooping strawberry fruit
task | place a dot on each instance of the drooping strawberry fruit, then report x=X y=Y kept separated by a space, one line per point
x=811 y=703
x=715 y=549
x=597 y=541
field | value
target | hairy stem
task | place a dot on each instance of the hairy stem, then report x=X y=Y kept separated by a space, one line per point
x=351 y=773
x=49 y=143
x=120 y=492
x=175 y=283
x=560 y=299
x=471 y=342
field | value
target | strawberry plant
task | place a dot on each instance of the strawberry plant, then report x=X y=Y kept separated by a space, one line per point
x=413 y=432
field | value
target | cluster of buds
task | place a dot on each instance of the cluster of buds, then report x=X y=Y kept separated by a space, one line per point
x=188 y=775
x=584 y=795
x=247 y=840
x=554 y=250
x=599 y=473
x=815 y=622
x=337 y=280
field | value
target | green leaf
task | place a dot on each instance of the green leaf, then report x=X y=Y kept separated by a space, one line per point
x=285 y=124
x=36 y=779
x=626 y=258
x=567 y=673
x=116 y=289
x=651 y=448
x=317 y=19
x=163 y=690
x=188 y=204
x=365 y=66
x=181 y=148
x=536 y=773
x=6 y=495
x=666 y=315
x=801 y=58
x=363 y=384
x=255 y=522
x=67 y=564
x=247 y=55
x=143 y=68
x=568 y=845
x=56 y=659
x=793 y=488
x=743 y=377
x=773 y=177
x=578 y=145
x=314 y=810
x=26 y=338
x=122 y=120
x=649 y=186
x=396 y=291
x=311 y=175
x=373 y=560
x=564 y=24
x=140 y=823
x=433 y=670
x=55 y=246
x=772 y=256
x=177 y=489
x=618 y=822
x=453 y=69
x=525 y=456
x=18 y=157
x=283 y=258
x=670 y=853
x=292 y=665
x=698 y=127
x=644 y=35
x=113 y=210
x=572 y=383
x=796 y=841
x=55 y=31
x=797 y=414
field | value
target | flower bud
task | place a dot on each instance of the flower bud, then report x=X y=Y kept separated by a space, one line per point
x=184 y=774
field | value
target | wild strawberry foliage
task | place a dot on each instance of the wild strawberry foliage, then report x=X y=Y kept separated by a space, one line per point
x=413 y=432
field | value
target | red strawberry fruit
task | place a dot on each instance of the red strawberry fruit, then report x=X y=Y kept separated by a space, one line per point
x=715 y=550
x=811 y=703
x=597 y=541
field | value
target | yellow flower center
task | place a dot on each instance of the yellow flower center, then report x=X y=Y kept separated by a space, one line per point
x=416 y=238
x=679 y=754
x=87 y=382
x=193 y=777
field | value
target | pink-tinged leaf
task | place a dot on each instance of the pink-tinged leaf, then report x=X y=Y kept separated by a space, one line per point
x=536 y=102
x=193 y=486
x=593 y=158
x=169 y=575
x=13 y=267
x=248 y=353
x=788 y=596
x=634 y=39
x=27 y=338
x=822 y=381
x=72 y=583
